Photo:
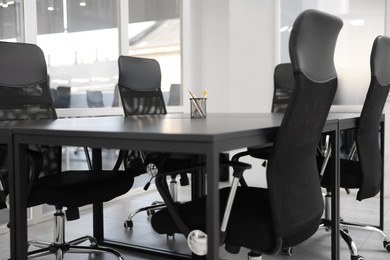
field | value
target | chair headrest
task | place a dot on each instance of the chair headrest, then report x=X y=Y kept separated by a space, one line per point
x=312 y=44
x=380 y=60
x=139 y=74
x=21 y=64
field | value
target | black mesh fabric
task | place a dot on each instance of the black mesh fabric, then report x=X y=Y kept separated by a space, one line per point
x=292 y=174
x=283 y=87
x=145 y=103
x=369 y=151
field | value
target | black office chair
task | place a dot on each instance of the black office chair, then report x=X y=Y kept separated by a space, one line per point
x=283 y=91
x=63 y=97
x=290 y=209
x=365 y=174
x=140 y=91
x=283 y=87
x=25 y=95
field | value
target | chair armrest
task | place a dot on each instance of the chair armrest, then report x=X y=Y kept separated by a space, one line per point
x=260 y=152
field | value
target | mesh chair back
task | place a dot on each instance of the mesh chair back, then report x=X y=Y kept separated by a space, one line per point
x=140 y=86
x=25 y=95
x=283 y=87
x=367 y=134
x=292 y=174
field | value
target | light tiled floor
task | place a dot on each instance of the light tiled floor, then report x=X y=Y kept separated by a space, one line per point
x=317 y=247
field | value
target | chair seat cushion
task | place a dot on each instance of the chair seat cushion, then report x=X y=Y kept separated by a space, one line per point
x=251 y=215
x=79 y=188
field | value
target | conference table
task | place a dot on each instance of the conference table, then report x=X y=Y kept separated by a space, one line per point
x=172 y=133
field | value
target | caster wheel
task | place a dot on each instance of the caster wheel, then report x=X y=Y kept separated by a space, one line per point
x=357 y=257
x=128 y=224
x=287 y=251
x=386 y=245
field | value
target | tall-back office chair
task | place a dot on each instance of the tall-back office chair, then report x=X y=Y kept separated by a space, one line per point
x=25 y=95
x=140 y=91
x=283 y=87
x=289 y=211
x=283 y=91
x=366 y=173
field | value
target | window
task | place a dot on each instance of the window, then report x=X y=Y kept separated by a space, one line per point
x=154 y=32
x=363 y=21
x=80 y=42
x=10 y=21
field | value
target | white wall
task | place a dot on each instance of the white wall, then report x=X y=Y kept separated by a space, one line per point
x=229 y=48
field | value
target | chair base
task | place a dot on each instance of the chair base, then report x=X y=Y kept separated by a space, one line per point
x=73 y=246
x=59 y=247
x=128 y=224
x=156 y=205
x=344 y=230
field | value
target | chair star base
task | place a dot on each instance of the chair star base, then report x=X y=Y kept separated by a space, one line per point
x=60 y=247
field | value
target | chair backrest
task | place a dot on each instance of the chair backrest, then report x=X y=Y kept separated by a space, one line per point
x=174 y=95
x=140 y=86
x=369 y=124
x=63 y=97
x=25 y=93
x=95 y=98
x=292 y=174
x=283 y=87
x=24 y=89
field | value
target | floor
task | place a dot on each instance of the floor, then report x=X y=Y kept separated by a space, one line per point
x=317 y=247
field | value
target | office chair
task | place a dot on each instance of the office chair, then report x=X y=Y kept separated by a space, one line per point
x=283 y=91
x=25 y=95
x=289 y=211
x=174 y=95
x=95 y=98
x=283 y=87
x=365 y=174
x=140 y=91
x=63 y=97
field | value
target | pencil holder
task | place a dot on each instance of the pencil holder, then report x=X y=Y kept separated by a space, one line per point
x=198 y=107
